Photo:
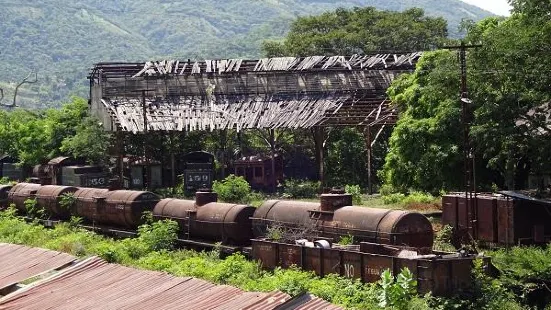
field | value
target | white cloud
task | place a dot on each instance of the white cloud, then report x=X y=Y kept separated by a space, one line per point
x=500 y=7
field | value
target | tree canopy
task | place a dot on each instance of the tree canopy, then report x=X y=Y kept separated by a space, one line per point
x=360 y=30
x=509 y=87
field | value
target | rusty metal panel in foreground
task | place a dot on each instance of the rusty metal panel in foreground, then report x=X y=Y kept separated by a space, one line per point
x=351 y=264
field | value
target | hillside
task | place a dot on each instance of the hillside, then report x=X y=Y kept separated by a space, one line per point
x=62 y=40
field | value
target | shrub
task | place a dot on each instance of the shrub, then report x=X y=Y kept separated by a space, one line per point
x=418 y=197
x=397 y=293
x=233 y=189
x=159 y=236
x=387 y=190
x=346 y=240
x=356 y=193
x=33 y=210
x=301 y=189
x=67 y=201
x=393 y=198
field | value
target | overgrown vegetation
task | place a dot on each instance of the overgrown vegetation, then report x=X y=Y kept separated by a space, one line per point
x=233 y=189
x=298 y=189
x=152 y=250
x=356 y=193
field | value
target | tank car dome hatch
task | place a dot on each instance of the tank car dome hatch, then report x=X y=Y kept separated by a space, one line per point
x=21 y=192
x=49 y=198
x=4 y=191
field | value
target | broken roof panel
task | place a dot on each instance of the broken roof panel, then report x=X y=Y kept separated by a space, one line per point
x=20 y=263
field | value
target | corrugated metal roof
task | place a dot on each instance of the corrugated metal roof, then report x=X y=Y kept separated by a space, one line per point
x=308 y=302
x=19 y=263
x=95 y=284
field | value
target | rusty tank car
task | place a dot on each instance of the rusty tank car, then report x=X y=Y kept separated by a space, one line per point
x=49 y=197
x=4 y=190
x=206 y=219
x=120 y=208
x=21 y=192
x=335 y=217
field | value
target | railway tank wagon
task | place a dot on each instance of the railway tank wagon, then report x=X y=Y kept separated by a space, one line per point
x=206 y=219
x=120 y=208
x=335 y=217
x=49 y=197
x=20 y=192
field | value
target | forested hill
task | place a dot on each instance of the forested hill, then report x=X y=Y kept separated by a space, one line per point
x=62 y=39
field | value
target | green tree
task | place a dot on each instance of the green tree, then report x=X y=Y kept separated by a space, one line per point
x=360 y=30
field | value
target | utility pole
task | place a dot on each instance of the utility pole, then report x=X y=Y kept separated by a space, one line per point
x=468 y=153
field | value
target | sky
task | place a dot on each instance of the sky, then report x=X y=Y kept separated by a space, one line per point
x=500 y=7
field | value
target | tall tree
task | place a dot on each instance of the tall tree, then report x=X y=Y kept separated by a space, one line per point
x=360 y=30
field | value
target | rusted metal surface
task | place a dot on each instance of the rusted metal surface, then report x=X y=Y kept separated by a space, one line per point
x=486 y=223
x=310 y=302
x=90 y=203
x=331 y=202
x=282 y=213
x=508 y=219
x=43 y=173
x=49 y=197
x=4 y=191
x=439 y=273
x=229 y=223
x=125 y=208
x=203 y=197
x=20 y=263
x=364 y=224
x=21 y=192
x=95 y=284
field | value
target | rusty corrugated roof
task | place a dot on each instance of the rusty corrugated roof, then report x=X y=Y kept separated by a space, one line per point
x=95 y=284
x=19 y=263
x=308 y=302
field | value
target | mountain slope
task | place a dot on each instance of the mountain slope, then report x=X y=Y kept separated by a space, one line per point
x=62 y=40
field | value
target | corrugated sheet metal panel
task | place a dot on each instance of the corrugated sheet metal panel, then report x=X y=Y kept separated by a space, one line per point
x=95 y=284
x=19 y=263
x=308 y=302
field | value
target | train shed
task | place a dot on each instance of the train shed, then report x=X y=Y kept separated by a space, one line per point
x=270 y=93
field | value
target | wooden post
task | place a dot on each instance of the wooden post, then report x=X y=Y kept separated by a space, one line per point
x=120 y=156
x=272 y=149
x=172 y=161
x=319 y=138
x=223 y=145
x=367 y=136
x=145 y=146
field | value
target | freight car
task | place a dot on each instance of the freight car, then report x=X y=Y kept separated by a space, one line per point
x=436 y=272
x=205 y=222
x=335 y=216
x=503 y=219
